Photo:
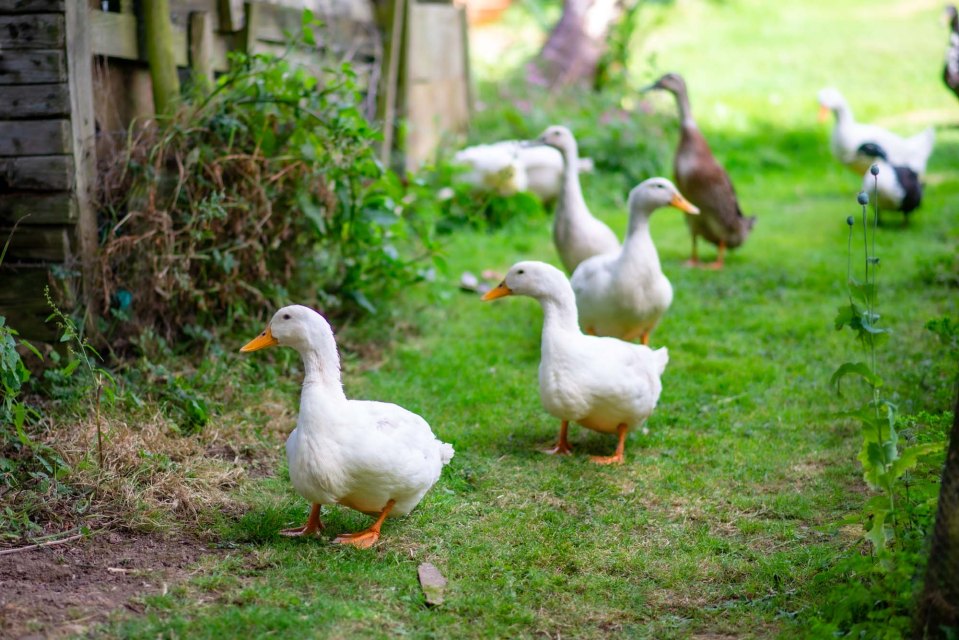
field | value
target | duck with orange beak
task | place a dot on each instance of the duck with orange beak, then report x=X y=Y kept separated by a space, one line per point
x=604 y=384
x=624 y=294
x=373 y=457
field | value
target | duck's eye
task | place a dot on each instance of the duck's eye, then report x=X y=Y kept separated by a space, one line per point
x=286 y=316
x=520 y=272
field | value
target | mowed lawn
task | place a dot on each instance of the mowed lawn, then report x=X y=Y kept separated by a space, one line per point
x=719 y=523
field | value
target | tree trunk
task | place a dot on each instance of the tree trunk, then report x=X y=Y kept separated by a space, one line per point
x=939 y=603
x=575 y=44
x=159 y=45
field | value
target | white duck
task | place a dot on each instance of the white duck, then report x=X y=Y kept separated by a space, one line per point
x=512 y=166
x=576 y=233
x=898 y=188
x=374 y=457
x=624 y=293
x=848 y=135
x=604 y=384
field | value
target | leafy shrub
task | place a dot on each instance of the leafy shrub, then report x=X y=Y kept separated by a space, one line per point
x=872 y=593
x=266 y=190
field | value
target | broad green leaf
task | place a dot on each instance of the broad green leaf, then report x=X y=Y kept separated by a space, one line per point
x=855 y=368
x=877 y=533
x=70 y=368
x=909 y=457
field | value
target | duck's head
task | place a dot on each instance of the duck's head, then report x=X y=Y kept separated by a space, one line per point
x=530 y=278
x=654 y=193
x=291 y=326
x=829 y=100
x=558 y=137
x=672 y=82
x=952 y=17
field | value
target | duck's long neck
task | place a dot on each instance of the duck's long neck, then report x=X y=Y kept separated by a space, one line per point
x=321 y=364
x=843 y=114
x=559 y=313
x=571 y=197
x=638 y=247
x=685 y=112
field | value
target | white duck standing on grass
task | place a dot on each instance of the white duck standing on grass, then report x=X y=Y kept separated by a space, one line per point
x=848 y=135
x=604 y=384
x=625 y=293
x=374 y=457
x=577 y=234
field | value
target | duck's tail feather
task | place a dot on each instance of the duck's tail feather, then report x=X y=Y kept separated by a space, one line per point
x=662 y=358
x=446 y=452
x=921 y=146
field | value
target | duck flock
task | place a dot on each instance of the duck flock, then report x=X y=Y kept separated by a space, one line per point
x=380 y=459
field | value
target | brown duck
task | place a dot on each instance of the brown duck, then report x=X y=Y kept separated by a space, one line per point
x=704 y=182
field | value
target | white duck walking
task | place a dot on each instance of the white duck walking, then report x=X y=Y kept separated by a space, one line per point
x=374 y=457
x=577 y=234
x=848 y=135
x=625 y=293
x=603 y=384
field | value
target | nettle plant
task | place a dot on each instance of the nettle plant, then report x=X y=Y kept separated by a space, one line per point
x=884 y=457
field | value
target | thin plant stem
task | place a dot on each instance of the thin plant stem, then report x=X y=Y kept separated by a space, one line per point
x=99 y=430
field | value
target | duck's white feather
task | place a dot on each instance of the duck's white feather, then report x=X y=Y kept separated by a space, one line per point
x=625 y=293
x=848 y=135
x=597 y=382
x=352 y=452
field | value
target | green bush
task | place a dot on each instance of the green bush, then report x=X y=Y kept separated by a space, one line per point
x=266 y=190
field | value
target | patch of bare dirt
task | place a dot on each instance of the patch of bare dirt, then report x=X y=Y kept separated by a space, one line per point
x=62 y=590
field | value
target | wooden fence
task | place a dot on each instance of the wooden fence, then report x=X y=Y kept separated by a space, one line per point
x=73 y=75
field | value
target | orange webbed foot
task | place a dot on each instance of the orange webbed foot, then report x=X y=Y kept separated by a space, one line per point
x=361 y=540
x=313 y=525
x=714 y=266
x=560 y=449
x=691 y=263
x=617 y=458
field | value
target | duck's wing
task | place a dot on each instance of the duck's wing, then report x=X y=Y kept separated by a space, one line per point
x=712 y=191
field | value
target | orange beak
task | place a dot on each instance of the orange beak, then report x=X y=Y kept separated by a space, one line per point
x=262 y=341
x=500 y=291
x=683 y=204
x=823 y=113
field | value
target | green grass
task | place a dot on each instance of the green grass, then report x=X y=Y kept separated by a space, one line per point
x=719 y=523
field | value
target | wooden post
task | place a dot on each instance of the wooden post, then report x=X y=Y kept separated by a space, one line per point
x=158 y=34
x=394 y=55
x=83 y=131
x=201 y=48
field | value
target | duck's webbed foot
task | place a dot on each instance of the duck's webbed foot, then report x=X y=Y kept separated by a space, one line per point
x=368 y=537
x=313 y=525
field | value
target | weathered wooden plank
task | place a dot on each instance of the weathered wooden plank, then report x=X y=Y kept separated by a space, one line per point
x=231 y=15
x=83 y=143
x=23 y=304
x=36 y=31
x=36 y=208
x=437 y=96
x=32 y=67
x=115 y=35
x=41 y=173
x=35 y=137
x=201 y=46
x=34 y=101
x=32 y=242
x=276 y=24
x=32 y=6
